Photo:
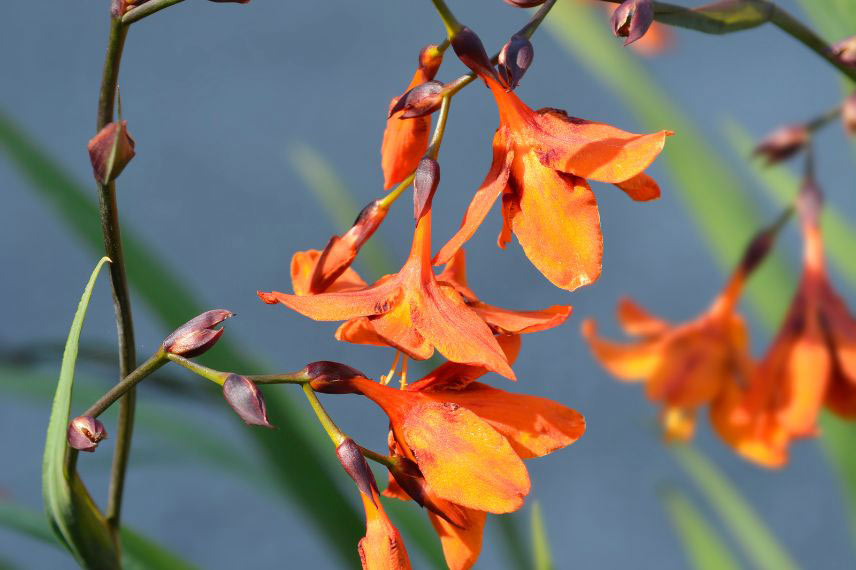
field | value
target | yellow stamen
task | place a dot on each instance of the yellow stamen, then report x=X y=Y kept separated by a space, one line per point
x=403 y=380
x=386 y=378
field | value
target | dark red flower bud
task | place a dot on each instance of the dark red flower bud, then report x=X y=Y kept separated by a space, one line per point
x=514 y=59
x=632 y=19
x=425 y=183
x=845 y=51
x=848 y=114
x=84 y=433
x=762 y=243
x=332 y=377
x=470 y=50
x=408 y=476
x=422 y=100
x=355 y=465
x=110 y=151
x=782 y=143
x=246 y=399
x=525 y=3
x=196 y=335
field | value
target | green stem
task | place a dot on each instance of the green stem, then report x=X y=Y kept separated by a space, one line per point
x=439 y=129
x=384 y=460
x=289 y=378
x=215 y=376
x=118 y=390
x=449 y=21
x=822 y=120
x=147 y=9
x=391 y=197
x=336 y=435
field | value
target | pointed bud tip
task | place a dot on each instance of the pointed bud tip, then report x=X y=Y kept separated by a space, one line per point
x=197 y=335
x=419 y=101
x=425 y=184
x=782 y=143
x=631 y=19
x=514 y=59
x=332 y=377
x=355 y=465
x=470 y=50
x=107 y=166
x=85 y=432
x=246 y=399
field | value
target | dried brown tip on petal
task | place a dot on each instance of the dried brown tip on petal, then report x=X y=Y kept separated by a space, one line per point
x=246 y=399
x=355 y=465
x=107 y=166
x=196 y=335
x=422 y=100
x=332 y=377
x=848 y=114
x=782 y=143
x=514 y=59
x=470 y=50
x=632 y=19
x=525 y=3
x=425 y=183
x=84 y=433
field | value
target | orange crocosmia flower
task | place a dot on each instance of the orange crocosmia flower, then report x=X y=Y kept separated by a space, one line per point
x=405 y=140
x=683 y=366
x=381 y=548
x=540 y=162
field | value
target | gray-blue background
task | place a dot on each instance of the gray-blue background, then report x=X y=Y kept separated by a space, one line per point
x=215 y=96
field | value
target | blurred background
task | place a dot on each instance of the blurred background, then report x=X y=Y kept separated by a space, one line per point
x=250 y=120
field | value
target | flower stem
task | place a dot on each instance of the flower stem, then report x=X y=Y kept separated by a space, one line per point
x=377 y=457
x=822 y=120
x=147 y=9
x=439 y=129
x=449 y=21
x=143 y=370
x=215 y=376
x=289 y=378
x=336 y=435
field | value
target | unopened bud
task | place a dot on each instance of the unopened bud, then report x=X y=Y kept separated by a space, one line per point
x=782 y=143
x=84 y=433
x=408 y=476
x=761 y=244
x=470 y=50
x=425 y=183
x=422 y=100
x=848 y=114
x=246 y=399
x=845 y=51
x=632 y=19
x=514 y=59
x=355 y=465
x=525 y=3
x=196 y=335
x=810 y=201
x=110 y=151
x=332 y=377
x=430 y=58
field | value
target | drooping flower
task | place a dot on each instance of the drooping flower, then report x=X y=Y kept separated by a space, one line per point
x=540 y=162
x=405 y=140
x=811 y=362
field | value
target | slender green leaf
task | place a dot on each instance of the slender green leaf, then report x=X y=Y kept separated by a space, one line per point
x=542 y=559
x=835 y=19
x=717 y=17
x=704 y=548
x=837 y=440
x=746 y=527
x=73 y=515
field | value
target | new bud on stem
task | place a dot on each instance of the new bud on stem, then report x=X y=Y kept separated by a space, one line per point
x=330 y=377
x=196 y=335
x=246 y=399
x=632 y=19
x=355 y=465
x=84 y=433
x=845 y=51
x=514 y=59
x=422 y=100
x=782 y=143
x=110 y=151
x=424 y=185
x=470 y=50
x=762 y=243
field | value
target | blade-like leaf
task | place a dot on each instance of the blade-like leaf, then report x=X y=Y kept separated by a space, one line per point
x=704 y=548
x=717 y=17
x=746 y=527
x=73 y=515
x=542 y=559
x=835 y=19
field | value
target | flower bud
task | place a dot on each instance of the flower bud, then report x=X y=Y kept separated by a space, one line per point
x=632 y=19
x=845 y=51
x=425 y=183
x=470 y=50
x=110 y=151
x=246 y=399
x=332 y=377
x=782 y=143
x=196 y=335
x=761 y=244
x=514 y=59
x=422 y=100
x=84 y=433
x=355 y=465
x=525 y=3
x=848 y=114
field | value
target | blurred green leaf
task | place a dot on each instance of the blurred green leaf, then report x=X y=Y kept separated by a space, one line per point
x=746 y=527
x=542 y=559
x=704 y=548
x=717 y=17
x=835 y=19
x=717 y=203
x=73 y=515
x=838 y=438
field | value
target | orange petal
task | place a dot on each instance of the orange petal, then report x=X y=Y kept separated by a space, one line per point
x=381 y=548
x=625 y=361
x=463 y=458
x=397 y=328
x=461 y=546
x=841 y=327
x=533 y=426
x=454 y=376
x=678 y=424
x=455 y=274
x=636 y=321
x=303 y=265
x=592 y=150
x=404 y=144
x=841 y=395
x=394 y=491
x=557 y=223
x=491 y=188
x=360 y=331
x=641 y=187
x=508 y=321
x=374 y=300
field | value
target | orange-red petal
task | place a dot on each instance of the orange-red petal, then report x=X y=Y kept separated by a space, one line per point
x=454 y=376
x=303 y=265
x=374 y=300
x=509 y=321
x=404 y=144
x=461 y=546
x=382 y=547
x=641 y=187
x=625 y=361
x=636 y=321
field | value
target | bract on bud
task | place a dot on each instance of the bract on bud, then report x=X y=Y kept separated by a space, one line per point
x=196 y=335
x=246 y=399
x=422 y=100
x=514 y=59
x=110 y=151
x=632 y=19
x=848 y=114
x=425 y=183
x=332 y=377
x=782 y=143
x=525 y=3
x=406 y=473
x=84 y=433
x=470 y=50
x=845 y=51
x=355 y=465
